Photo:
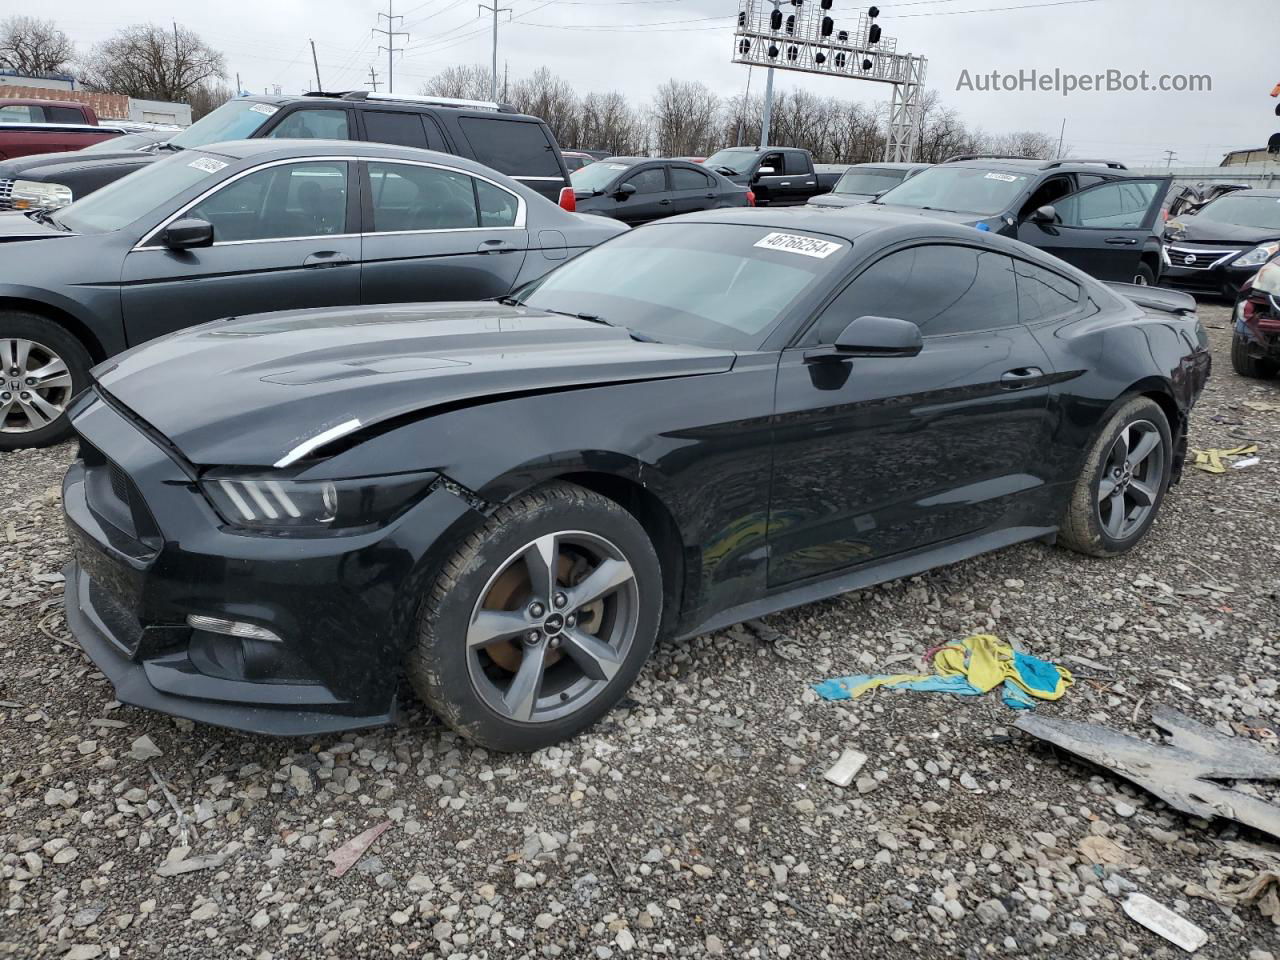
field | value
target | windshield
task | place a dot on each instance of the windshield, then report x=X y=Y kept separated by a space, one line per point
x=158 y=184
x=596 y=176
x=868 y=182
x=1243 y=211
x=739 y=161
x=713 y=284
x=130 y=141
x=234 y=120
x=957 y=189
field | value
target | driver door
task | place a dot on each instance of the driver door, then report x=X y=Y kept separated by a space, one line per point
x=1102 y=229
x=771 y=187
x=280 y=241
x=652 y=198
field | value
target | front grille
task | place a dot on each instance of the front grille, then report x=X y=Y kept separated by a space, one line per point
x=115 y=498
x=1205 y=258
x=122 y=625
x=6 y=194
x=120 y=484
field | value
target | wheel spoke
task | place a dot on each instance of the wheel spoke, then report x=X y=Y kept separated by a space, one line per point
x=1144 y=447
x=540 y=559
x=1143 y=495
x=15 y=355
x=35 y=416
x=1115 y=524
x=5 y=407
x=1121 y=449
x=1106 y=487
x=52 y=374
x=490 y=626
x=522 y=696
x=594 y=657
x=604 y=580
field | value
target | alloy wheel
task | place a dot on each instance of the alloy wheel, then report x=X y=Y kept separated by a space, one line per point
x=1132 y=477
x=1140 y=280
x=552 y=626
x=35 y=385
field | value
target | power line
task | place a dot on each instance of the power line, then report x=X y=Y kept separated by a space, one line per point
x=493 y=74
x=957 y=13
x=390 y=33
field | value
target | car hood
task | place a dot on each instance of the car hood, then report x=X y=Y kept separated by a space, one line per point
x=47 y=167
x=1186 y=228
x=249 y=391
x=16 y=225
x=840 y=199
x=949 y=216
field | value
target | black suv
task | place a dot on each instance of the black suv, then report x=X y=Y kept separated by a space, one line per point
x=1090 y=213
x=522 y=147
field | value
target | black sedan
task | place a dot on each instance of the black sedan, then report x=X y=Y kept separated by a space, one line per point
x=1220 y=246
x=638 y=190
x=700 y=422
x=249 y=226
x=863 y=182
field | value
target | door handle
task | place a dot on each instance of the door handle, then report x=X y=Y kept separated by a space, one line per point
x=495 y=246
x=664 y=203
x=1020 y=377
x=326 y=258
x=785 y=183
x=1122 y=241
x=710 y=196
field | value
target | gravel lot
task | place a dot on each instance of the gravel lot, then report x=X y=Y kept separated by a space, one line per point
x=695 y=821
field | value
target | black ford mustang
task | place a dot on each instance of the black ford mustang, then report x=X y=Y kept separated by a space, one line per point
x=700 y=422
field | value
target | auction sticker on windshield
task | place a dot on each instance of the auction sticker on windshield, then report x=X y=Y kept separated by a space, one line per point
x=207 y=164
x=264 y=108
x=794 y=243
x=1003 y=177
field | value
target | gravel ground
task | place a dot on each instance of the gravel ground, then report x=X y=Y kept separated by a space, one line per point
x=695 y=820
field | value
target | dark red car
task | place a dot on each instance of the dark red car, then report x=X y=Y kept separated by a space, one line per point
x=29 y=125
x=1255 y=342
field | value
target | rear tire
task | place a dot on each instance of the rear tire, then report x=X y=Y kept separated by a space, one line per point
x=1247 y=365
x=515 y=661
x=42 y=367
x=1122 y=484
x=1145 y=276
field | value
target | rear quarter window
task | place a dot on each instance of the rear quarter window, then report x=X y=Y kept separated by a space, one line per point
x=518 y=148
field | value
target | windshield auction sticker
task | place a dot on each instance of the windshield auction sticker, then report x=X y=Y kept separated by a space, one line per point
x=264 y=108
x=794 y=243
x=1003 y=177
x=207 y=164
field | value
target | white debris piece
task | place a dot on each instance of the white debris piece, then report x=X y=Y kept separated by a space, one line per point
x=846 y=768
x=1160 y=919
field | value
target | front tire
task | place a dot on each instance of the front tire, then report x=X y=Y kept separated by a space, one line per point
x=1247 y=365
x=1145 y=276
x=1123 y=482
x=42 y=366
x=540 y=621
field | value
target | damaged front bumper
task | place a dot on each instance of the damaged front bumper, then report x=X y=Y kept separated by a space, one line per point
x=330 y=617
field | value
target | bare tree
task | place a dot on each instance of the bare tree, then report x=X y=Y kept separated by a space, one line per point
x=610 y=123
x=1025 y=143
x=685 y=115
x=33 y=46
x=465 y=83
x=152 y=62
x=208 y=97
x=553 y=99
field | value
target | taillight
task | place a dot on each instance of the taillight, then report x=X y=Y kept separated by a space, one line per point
x=567 y=199
x=751 y=199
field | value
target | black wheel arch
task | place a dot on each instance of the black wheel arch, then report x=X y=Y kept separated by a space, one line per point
x=73 y=324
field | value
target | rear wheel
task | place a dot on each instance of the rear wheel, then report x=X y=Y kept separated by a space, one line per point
x=1247 y=365
x=1123 y=482
x=42 y=367
x=1145 y=276
x=540 y=622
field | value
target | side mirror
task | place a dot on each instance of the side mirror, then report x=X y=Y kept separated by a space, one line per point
x=879 y=337
x=1045 y=214
x=624 y=191
x=187 y=233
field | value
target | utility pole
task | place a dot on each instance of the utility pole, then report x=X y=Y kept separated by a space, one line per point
x=768 y=96
x=390 y=33
x=316 y=63
x=239 y=89
x=493 y=74
x=373 y=79
x=746 y=102
x=1061 y=136
x=1169 y=157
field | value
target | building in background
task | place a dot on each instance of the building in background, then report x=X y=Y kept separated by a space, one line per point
x=108 y=106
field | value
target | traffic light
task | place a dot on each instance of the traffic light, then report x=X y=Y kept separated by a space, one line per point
x=744 y=46
x=773 y=51
x=791 y=26
x=819 y=58
x=843 y=36
x=873 y=12
x=742 y=18
x=840 y=60
x=866 y=65
x=827 y=26
x=793 y=53
x=826 y=4
x=873 y=35
x=775 y=20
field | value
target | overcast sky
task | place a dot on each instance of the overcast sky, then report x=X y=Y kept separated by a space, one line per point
x=1234 y=43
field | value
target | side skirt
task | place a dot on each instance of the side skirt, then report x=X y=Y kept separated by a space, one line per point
x=907 y=565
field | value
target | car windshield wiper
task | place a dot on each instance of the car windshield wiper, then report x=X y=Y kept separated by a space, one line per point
x=509 y=301
x=169 y=145
x=44 y=216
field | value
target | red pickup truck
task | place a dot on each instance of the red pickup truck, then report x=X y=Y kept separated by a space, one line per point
x=30 y=126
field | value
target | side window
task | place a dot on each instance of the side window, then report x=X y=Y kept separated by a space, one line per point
x=403 y=129
x=775 y=161
x=1050 y=191
x=518 y=148
x=942 y=289
x=498 y=208
x=21 y=113
x=686 y=178
x=63 y=115
x=1116 y=205
x=312 y=125
x=289 y=200
x=796 y=164
x=410 y=197
x=1090 y=179
x=649 y=180
x=1043 y=294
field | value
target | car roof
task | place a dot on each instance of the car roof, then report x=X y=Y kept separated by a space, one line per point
x=887 y=165
x=1268 y=194
x=266 y=148
x=38 y=102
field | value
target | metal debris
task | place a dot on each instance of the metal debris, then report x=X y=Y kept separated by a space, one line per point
x=1183 y=772
x=1160 y=919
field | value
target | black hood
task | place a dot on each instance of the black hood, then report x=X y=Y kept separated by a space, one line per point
x=246 y=392
x=950 y=216
x=47 y=167
x=841 y=199
x=1188 y=228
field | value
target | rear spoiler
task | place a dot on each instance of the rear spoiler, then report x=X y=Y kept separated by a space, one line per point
x=1156 y=298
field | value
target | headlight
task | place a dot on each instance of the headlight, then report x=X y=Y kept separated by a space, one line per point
x=29 y=195
x=274 y=503
x=1258 y=255
x=1268 y=279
